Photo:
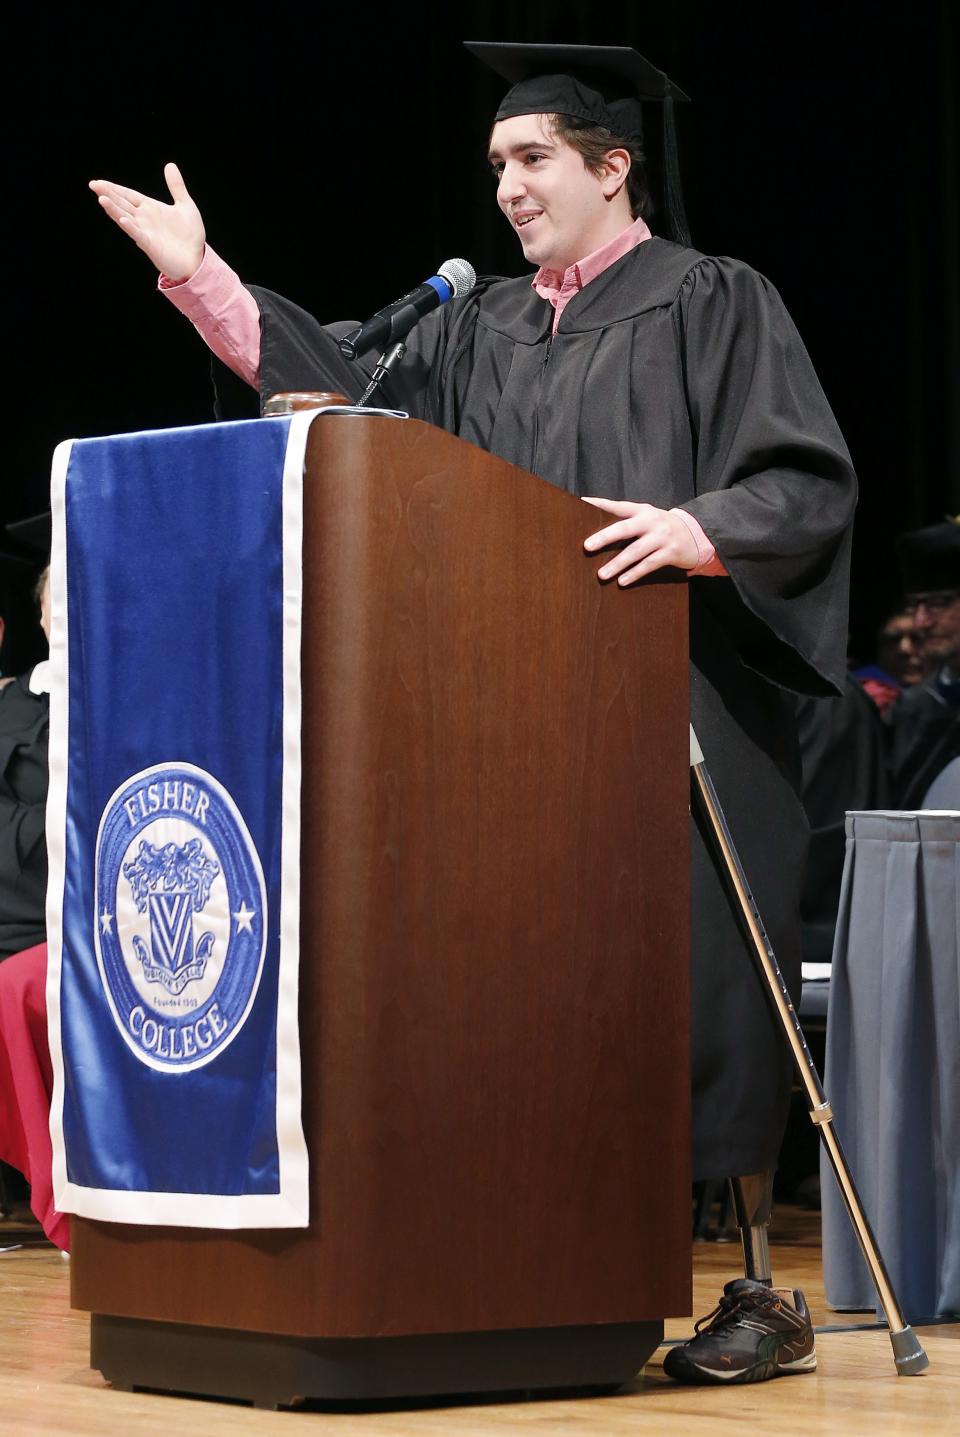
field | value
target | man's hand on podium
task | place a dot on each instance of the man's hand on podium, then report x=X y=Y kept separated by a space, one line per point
x=171 y=235
x=659 y=539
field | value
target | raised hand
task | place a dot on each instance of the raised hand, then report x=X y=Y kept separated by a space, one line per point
x=171 y=235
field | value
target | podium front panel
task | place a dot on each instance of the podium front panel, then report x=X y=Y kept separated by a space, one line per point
x=495 y=965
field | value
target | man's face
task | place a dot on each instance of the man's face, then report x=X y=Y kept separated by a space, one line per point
x=937 y=615
x=45 y=605
x=900 y=649
x=558 y=208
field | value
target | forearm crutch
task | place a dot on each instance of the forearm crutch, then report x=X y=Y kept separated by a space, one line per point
x=908 y=1353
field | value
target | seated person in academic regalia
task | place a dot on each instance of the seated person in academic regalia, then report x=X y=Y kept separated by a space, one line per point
x=26 y=1079
x=926 y=720
x=24 y=730
x=671 y=390
x=900 y=662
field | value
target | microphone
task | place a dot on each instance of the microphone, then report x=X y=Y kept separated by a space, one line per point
x=454 y=278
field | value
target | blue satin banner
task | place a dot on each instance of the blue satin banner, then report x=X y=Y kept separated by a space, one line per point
x=174 y=826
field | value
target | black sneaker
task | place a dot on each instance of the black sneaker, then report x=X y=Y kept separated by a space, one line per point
x=756 y=1332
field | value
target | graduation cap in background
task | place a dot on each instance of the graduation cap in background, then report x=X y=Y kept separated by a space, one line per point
x=17 y=579
x=22 y=643
x=930 y=558
x=34 y=534
x=603 y=84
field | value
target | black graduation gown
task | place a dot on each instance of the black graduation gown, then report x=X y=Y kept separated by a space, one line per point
x=926 y=737
x=675 y=379
x=843 y=752
x=24 y=734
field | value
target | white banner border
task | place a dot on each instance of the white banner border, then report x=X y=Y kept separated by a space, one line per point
x=290 y=1208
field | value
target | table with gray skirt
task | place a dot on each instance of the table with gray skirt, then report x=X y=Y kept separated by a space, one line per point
x=893 y=1061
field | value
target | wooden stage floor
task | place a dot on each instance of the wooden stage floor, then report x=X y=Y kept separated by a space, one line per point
x=46 y=1385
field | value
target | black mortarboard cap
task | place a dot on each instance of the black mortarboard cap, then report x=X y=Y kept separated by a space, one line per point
x=15 y=567
x=930 y=558
x=18 y=578
x=602 y=84
x=33 y=533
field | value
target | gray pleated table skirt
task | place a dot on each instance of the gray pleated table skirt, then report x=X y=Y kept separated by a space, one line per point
x=893 y=1061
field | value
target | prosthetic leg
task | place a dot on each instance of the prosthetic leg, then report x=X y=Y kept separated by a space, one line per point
x=753 y=1204
x=756 y=1331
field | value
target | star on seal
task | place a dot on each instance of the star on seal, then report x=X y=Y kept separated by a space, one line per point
x=245 y=917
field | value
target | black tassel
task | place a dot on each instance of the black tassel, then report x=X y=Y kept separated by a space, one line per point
x=672 y=187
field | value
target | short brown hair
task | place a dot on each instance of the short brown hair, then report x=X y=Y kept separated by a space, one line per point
x=38 y=586
x=593 y=143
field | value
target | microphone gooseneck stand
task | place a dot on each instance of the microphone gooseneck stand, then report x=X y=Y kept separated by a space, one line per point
x=908 y=1352
x=387 y=361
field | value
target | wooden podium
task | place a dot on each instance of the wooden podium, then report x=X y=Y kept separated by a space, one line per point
x=494 y=966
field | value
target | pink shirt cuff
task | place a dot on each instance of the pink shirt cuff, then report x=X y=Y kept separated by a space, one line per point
x=708 y=564
x=224 y=314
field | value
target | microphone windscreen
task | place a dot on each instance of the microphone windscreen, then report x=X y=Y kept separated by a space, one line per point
x=459 y=274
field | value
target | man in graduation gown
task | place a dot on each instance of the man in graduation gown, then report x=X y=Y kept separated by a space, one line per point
x=672 y=391
x=24 y=733
x=925 y=721
x=26 y=1075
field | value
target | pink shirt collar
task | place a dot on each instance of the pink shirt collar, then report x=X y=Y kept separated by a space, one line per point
x=559 y=288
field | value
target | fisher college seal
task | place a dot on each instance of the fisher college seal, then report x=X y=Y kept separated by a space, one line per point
x=180 y=915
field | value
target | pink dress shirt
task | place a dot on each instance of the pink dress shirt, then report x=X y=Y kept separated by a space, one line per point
x=223 y=313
